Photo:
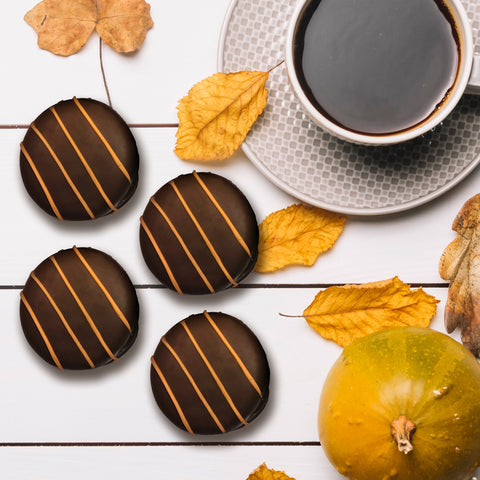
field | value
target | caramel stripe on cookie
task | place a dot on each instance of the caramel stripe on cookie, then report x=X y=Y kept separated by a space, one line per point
x=230 y=224
x=194 y=385
x=203 y=234
x=221 y=386
x=83 y=309
x=41 y=331
x=41 y=182
x=104 y=290
x=235 y=355
x=62 y=169
x=63 y=319
x=160 y=255
x=184 y=246
x=83 y=160
x=172 y=396
x=103 y=139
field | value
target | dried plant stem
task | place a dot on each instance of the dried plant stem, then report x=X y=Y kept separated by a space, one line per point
x=276 y=66
x=402 y=430
x=103 y=73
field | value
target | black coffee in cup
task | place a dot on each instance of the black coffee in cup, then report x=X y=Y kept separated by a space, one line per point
x=376 y=66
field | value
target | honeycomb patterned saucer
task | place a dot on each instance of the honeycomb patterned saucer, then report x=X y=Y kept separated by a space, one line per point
x=322 y=170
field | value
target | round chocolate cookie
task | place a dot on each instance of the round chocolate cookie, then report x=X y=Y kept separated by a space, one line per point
x=79 y=160
x=209 y=374
x=199 y=234
x=79 y=309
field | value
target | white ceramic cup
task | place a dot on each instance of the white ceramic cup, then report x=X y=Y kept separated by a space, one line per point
x=468 y=81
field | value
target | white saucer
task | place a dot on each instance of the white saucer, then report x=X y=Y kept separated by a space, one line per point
x=326 y=172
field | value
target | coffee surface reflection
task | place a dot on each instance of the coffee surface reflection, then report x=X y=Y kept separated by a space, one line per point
x=376 y=66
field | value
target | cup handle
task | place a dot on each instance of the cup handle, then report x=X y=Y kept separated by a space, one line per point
x=474 y=80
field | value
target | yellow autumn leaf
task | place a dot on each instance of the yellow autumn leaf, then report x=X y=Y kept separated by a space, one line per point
x=345 y=313
x=64 y=26
x=216 y=115
x=297 y=234
x=264 y=473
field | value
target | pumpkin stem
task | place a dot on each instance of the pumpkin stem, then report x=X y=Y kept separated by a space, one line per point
x=402 y=430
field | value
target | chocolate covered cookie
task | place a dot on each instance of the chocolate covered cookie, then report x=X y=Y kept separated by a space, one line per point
x=79 y=160
x=79 y=309
x=199 y=234
x=209 y=374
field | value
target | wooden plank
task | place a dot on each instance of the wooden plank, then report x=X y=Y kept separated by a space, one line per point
x=179 y=51
x=152 y=463
x=408 y=245
x=115 y=404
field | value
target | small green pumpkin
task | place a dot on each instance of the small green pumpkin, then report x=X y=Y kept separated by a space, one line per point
x=402 y=404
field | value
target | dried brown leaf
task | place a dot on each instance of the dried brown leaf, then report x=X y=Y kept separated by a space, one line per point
x=123 y=24
x=460 y=263
x=64 y=26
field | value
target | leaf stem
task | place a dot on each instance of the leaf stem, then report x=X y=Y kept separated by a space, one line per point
x=276 y=66
x=290 y=316
x=103 y=74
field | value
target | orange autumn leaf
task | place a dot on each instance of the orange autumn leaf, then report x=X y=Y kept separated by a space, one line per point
x=64 y=26
x=217 y=113
x=264 y=473
x=345 y=313
x=296 y=235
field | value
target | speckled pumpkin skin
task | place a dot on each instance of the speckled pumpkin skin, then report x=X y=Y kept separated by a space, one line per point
x=420 y=373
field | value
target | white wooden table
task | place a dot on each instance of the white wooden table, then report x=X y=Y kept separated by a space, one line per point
x=105 y=424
